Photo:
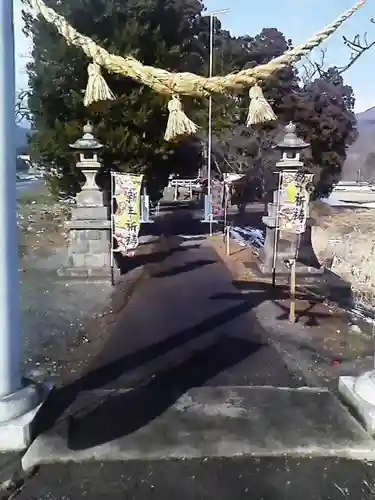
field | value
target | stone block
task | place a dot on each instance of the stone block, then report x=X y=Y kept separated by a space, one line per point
x=76 y=259
x=88 y=224
x=90 y=213
x=16 y=435
x=97 y=247
x=363 y=410
x=90 y=198
x=97 y=260
x=203 y=422
x=17 y=416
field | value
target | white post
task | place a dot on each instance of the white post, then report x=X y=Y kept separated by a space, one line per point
x=18 y=403
x=227 y=230
x=10 y=342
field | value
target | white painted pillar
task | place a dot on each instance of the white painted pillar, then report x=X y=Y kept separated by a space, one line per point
x=10 y=339
x=18 y=404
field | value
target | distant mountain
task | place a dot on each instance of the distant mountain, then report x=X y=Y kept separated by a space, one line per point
x=361 y=154
x=21 y=137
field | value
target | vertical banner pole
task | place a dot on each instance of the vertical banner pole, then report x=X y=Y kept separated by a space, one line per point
x=112 y=194
x=277 y=223
x=225 y=204
x=293 y=285
x=292 y=309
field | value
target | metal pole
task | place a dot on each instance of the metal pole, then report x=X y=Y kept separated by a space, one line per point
x=112 y=229
x=209 y=152
x=209 y=148
x=225 y=204
x=277 y=231
x=292 y=306
x=10 y=332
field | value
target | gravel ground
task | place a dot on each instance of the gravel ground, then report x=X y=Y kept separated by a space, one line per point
x=54 y=314
x=64 y=322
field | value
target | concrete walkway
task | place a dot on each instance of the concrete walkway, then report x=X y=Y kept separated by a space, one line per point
x=188 y=375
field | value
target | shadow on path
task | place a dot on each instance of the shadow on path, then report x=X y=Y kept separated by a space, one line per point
x=190 y=266
x=127 y=412
x=127 y=264
x=258 y=292
x=62 y=398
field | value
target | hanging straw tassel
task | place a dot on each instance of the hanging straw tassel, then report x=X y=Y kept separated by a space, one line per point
x=260 y=110
x=178 y=125
x=97 y=88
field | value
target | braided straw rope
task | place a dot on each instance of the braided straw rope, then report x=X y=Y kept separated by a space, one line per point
x=165 y=82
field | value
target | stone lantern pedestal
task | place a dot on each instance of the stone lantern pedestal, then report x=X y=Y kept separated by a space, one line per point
x=289 y=245
x=89 y=251
x=307 y=263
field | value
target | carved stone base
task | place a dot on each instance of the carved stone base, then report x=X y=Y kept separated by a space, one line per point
x=307 y=263
x=89 y=251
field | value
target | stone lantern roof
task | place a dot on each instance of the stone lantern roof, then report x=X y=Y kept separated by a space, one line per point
x=291 y=142
x=88 y=141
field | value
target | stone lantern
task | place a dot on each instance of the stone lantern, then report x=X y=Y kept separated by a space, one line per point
x=88 y=149
x=289 y=245
x=291 y=147
x=89 y=251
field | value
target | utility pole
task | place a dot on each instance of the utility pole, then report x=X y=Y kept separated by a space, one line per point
x=212 y=15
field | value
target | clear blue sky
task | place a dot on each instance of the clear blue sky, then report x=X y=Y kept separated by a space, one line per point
x=297 y=19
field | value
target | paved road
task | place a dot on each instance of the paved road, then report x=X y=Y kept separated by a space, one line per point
x=191 y=305
x=28 y=186
x=220 y=479
x=186 y=327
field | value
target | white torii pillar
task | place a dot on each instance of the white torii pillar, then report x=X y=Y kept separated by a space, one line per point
x=19 y=401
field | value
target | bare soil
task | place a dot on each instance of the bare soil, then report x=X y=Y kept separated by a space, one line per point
x=333 y=335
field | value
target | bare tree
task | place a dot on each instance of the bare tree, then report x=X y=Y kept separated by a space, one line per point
x=357 y=46
x=22 y=111
x=312 y=69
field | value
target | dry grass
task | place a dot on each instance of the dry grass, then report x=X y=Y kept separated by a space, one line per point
x=348 y=237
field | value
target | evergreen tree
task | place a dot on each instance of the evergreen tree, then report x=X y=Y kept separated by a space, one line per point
x=324 y=113
x=174 y=34
x=158 y=32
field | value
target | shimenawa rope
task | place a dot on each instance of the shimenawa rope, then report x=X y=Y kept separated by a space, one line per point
x=178 y=84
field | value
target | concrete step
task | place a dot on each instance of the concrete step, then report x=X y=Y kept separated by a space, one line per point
x=144 y=424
